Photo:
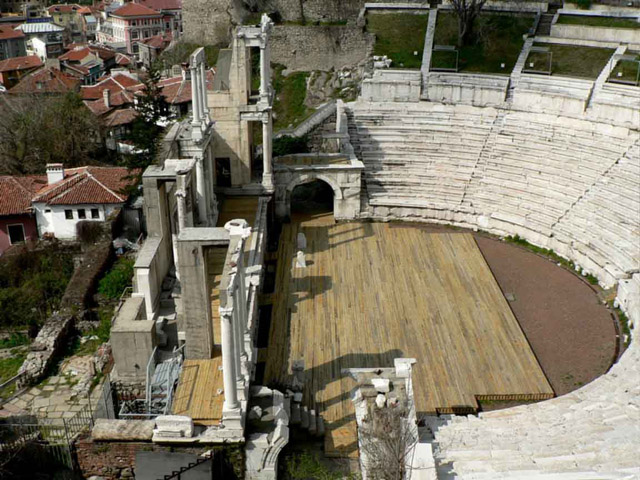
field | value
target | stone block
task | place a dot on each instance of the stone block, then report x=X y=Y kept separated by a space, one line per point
x=123 y=430
x=174 y=426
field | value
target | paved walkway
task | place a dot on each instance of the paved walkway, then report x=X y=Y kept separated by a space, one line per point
x=60 y=396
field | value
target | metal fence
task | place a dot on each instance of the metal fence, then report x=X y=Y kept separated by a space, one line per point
x=51 y=440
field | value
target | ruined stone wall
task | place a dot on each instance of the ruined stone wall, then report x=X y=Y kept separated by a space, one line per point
x=306 y=48
x=209 y=22
x=117 y=460
x=317 y=10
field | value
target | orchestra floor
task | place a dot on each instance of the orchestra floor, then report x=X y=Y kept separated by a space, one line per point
x=372 y=292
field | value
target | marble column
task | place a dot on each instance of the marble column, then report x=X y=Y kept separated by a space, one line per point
x=228 y=359
x=204 y=98
x=267 y=173
x=264 y=71
x=182 y=209
x=239 y=341
x=201 y=191
x=196 y=109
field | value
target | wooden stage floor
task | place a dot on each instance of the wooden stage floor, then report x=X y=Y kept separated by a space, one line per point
x=197 y=392
x=372 y=292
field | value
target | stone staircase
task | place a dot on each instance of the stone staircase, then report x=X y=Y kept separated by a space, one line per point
x=546 y=19
x=518 y=67
x=428 y=41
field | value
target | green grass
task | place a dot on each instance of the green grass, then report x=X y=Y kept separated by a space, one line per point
x=181 y=52
x=16 y=339
x=305 y=466
x=517 y=240
x=398 y=36
x=9 y=368
x=572 y=61
x=102 y=331
x=608 y=22
x=628 y=69
x=499 y=39
x=291 y=91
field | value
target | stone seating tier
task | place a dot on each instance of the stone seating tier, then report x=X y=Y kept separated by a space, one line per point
x=545 y=177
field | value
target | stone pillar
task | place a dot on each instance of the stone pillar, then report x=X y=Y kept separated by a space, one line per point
x=239 y=340
x=201 y=192
x=204 y=98
x=182 y=209
x=267 y=174
x=210 y=180
x=196 y=105
x=228 y=359
x=264 y=70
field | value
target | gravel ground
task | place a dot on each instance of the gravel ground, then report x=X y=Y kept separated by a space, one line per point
x=571 y=333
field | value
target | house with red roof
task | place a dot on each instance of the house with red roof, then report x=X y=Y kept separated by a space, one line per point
x=47 y=80
x=79 y=194
x=12 y=42
x=12 y=70
x=129 y=24
x=69 y=16
x=150 y=49
x=113 y=100
x=17 y=217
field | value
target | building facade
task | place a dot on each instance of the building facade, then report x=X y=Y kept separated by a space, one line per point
x=130 y=24
x=12 y=43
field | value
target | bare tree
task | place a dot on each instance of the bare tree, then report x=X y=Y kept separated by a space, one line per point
x=388 y=438
x=467 y=12
x=40 y=129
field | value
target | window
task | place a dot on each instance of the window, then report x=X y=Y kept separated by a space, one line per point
x=68 y=214
x=16 y=233
x=95 y=213
x=82 y=213
x=134 y=35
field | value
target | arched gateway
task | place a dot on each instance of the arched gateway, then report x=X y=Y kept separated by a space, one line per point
x=341 y=172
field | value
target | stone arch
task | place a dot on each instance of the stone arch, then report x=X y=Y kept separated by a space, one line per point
x=283 y=192
x=302 y=178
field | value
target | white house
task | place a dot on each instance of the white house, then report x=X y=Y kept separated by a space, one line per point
x=78 y=194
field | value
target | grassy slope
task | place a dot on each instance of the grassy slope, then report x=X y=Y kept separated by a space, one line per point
x=609 y=22
x=574 y=61
x=398 y=35
x=499 y=41
x=289 y=104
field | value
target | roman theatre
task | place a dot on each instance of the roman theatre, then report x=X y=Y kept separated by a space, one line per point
x=422 y=270
x=473 y=241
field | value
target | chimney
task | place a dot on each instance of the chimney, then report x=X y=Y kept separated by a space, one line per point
x=55 y=172
x=106 y=95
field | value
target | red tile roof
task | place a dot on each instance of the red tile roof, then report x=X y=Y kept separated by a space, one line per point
x=114 y=83
x=123 y=116
x=75 y=55
x=135 y=10
x=156 y=41
x=162 y=4
x=7 y=33
x=87 y=185
x=16 y=193
x=46 y=80
x=20 y=63
x=122 y=60
x=64 y=8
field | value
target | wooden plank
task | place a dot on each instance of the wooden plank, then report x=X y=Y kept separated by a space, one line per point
x=371 y=293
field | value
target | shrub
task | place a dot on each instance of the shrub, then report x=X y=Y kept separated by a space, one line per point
x=32 y=284
x=287 y=145
x=89 y=232
x=117 y=279
x=584 y=4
